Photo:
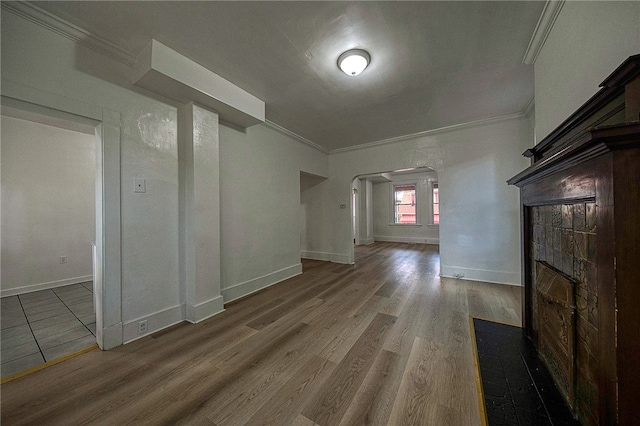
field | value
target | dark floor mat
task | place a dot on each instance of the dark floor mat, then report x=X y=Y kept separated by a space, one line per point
x=516 y=386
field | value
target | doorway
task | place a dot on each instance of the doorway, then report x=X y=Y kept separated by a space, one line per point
x=354 y=214
x=104 y=125
x=48 y=230
x=396 y=206
x=311 y=202
x=48 y=227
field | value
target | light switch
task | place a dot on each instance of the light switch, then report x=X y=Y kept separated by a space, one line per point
x=140 y=185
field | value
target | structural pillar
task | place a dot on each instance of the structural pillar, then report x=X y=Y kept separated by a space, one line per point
x=200 y=213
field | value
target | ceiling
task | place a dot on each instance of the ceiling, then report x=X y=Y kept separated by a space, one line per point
x=433 y=64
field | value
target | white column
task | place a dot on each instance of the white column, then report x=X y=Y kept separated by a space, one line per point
x=369 y=212
x=200 y=218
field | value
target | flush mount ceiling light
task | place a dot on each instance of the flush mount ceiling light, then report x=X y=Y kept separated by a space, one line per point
x=353 y=62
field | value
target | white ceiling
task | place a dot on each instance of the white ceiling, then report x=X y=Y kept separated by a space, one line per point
x=433 y=64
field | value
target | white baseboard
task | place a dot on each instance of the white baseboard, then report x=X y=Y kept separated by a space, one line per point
x=243 y=289
x=155 y=322
x=128 y=332
x=367 y=241
x=498 y=277
x=44 y=286
x=410 y=240
x=111 y=336
x=204 y=310
x=329 y=257
x=315 y=255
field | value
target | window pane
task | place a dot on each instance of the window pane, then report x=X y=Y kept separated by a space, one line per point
x=436 y=204
x=404 y=204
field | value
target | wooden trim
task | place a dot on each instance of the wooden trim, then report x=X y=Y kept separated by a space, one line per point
x=580 y=137
x=573 y=184
x=626 y=193
x=613 y=87
x=527 y=300
x=606 y=292
x=476 y=362
x=623 y=136
x=627 y=71
x=47 y=364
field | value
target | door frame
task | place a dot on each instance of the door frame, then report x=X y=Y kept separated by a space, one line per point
x=106 y=124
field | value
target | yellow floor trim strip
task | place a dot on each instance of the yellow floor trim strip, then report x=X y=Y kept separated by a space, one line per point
x=497 y=322
x=476 y=361
x=46 y=364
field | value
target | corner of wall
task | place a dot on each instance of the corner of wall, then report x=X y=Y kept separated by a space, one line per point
x=329 y=257
x=202 y=311
x=44 y=286
x=254 y=285
x=155 y=322
x=471 y=274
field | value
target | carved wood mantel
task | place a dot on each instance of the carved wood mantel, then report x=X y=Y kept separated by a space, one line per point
x=588 y=169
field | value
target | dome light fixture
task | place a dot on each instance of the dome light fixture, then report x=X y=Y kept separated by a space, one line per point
x=353 y=62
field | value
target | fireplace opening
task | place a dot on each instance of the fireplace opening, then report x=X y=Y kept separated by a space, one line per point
x=557 y=326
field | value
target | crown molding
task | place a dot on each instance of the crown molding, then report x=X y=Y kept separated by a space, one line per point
x=66 y=29
x=295 y=136
x=543 y=28
x=432 y=132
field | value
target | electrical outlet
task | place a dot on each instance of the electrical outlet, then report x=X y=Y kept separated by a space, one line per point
x=139 y=185
x=142 y=327
x=63 y=259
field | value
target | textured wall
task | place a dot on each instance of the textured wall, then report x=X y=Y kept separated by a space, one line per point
x=40 y=60
x=260 y=203
x=480 y=218
x=588 y=41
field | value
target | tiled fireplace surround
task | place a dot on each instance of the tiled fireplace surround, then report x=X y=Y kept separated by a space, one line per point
x=563 y=237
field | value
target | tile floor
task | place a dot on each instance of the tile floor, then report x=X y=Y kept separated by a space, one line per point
x=44 y=325
x=518 y=389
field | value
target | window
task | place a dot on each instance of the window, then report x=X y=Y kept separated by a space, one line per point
x=404 y=204
x=436 y=204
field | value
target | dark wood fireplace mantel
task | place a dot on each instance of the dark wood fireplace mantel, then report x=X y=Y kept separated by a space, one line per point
x=580 y=203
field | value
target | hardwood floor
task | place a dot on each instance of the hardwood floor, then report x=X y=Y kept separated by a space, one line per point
x=384 y=341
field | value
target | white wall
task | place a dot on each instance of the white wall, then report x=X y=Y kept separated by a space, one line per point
x=48 y=207
x=261 y=201
x=259 y=183
x=383 y=227
x=365 y=211
x=259 y=177
x=313 y=239
x=42 y=60
x=588 y=41
x=480 y=221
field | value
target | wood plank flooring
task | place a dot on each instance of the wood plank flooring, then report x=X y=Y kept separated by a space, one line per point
x=384 y=341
